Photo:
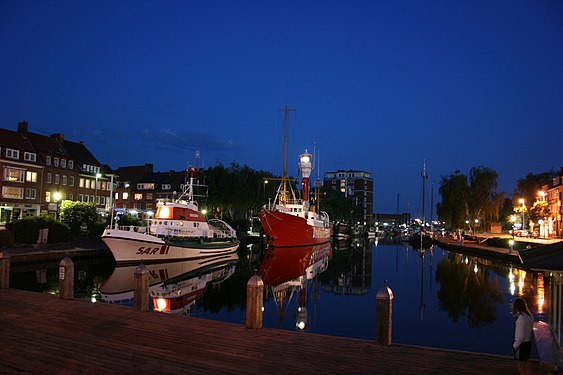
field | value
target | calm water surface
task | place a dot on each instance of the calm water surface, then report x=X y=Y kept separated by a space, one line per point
x=441 y=299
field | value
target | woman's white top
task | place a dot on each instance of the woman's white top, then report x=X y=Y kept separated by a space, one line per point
x=524 y=329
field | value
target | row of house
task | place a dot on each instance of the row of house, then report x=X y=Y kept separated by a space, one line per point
x=39 y=172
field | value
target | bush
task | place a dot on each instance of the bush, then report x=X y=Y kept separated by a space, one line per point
x=27 y=229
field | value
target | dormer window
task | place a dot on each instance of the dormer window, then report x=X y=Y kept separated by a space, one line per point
x=47 y=160
x=56 y=162
x=12 y=154
x=29 y=156
x=70 y=164
x=63 y=163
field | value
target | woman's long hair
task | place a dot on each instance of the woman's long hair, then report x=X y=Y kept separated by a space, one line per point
x=521 y=307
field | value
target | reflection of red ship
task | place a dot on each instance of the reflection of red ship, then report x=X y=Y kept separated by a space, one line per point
x=286 y=271
x=289 y=221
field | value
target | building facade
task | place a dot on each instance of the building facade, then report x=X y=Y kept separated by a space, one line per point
x=357 y=184
x=39 y=172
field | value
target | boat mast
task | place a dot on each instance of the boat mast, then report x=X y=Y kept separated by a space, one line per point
x=424 y=178
x=285 y=140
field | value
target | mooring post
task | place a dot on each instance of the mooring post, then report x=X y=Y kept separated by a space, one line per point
x=141 y=294
x=4 y=270
x=66 y=278
x=254 y=302
x=384 y=315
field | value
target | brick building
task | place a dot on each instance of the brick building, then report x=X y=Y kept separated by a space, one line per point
x=357 y=184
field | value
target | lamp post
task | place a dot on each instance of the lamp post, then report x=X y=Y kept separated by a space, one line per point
x=57 y=198
x=521 y=201
x=98 y=175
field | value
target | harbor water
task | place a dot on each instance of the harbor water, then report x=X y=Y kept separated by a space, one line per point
x=441 y=299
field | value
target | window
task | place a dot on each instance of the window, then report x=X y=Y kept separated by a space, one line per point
x=146 y=186
x=116 y=195
x=49 y=178
x=12 y=192
x=57 y=179
x=166 y=186
x=70 y=197
x=31 y=176
x=63 y=163
x=138 y=196
x=13 y=175
x=70 y=164
x=29 y=156
x=149 y=196
x=149 y=206
x=47 y=196
x=102 y=200
x=80 y=198
x=125 y=195
x=65 y=179
x=81 y=183
x=12 y=154
x=71 y=180
x=47 y=160
x=56 y=162
x=30 y=193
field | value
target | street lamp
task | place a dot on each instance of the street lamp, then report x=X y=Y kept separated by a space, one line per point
x=521 y=201
x=57 y=198
x=98 y=175
x=513 y=219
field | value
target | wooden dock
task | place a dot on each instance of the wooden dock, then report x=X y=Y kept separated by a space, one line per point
x=44 y=334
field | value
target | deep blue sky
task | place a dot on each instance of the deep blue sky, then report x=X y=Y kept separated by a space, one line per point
x=380 y=86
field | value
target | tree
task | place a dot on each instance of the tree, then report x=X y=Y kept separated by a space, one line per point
x=540 y=210
x=527 y=188
x=454 y=190
x=79 y=215
x=470 y=199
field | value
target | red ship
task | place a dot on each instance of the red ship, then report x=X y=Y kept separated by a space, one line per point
x=290 y=221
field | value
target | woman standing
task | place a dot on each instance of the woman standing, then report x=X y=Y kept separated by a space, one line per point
x=523 y=335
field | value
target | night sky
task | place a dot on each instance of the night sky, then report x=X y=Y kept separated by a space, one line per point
x=379 y=86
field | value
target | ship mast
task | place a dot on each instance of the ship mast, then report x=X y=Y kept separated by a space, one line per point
x=285 y=140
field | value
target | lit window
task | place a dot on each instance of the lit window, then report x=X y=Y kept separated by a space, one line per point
x=12 y=192
x=31 y=176
x=47 y=196
x=13 y=175
x=138 y=196
x=125 y=195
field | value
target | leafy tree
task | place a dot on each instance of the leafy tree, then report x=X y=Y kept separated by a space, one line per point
x=27 y=229
x=79 y=215
x=540 y=210
x=339 y=207
x=470 y=199
x=454 y=207
x=528 y=187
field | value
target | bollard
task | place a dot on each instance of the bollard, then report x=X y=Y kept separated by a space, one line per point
x=254 y=302
x=141 y=294
x=4 y=270
x=384 y=315
x=66 y=279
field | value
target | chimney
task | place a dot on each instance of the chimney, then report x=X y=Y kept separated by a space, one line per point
x=148 y=168
x=60 y=137
x=22 y=127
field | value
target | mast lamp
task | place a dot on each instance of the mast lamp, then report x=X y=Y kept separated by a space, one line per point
x=305 y=165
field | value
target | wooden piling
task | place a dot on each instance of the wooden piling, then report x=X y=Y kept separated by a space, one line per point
x=141 y=293
x=4 y=270
x=66 y=279
x=254 y=302
x=384 y=315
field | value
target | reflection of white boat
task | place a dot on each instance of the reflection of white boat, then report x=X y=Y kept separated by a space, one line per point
x=178 y=231
x=178 y=295
x=120 y=286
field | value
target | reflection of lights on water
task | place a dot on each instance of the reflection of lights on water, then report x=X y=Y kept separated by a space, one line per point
x=93 y=299
x=512 y=287
x=466 y=260
x=541 y=293
x=521 y=283
x=475 y=269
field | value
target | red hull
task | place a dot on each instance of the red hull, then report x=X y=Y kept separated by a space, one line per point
x=285 y=230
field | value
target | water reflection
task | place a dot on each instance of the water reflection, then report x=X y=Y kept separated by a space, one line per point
x=287 y=273
x=173 y=286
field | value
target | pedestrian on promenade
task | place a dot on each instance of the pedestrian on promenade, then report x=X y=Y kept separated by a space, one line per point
x=523 y=335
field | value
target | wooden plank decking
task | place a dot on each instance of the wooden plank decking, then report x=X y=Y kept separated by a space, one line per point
x=43 y=334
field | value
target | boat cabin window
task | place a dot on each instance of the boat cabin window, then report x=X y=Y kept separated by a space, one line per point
x=182 y=217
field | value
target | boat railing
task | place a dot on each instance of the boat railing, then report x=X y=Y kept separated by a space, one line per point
x=131 y=228
x=290 y=202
